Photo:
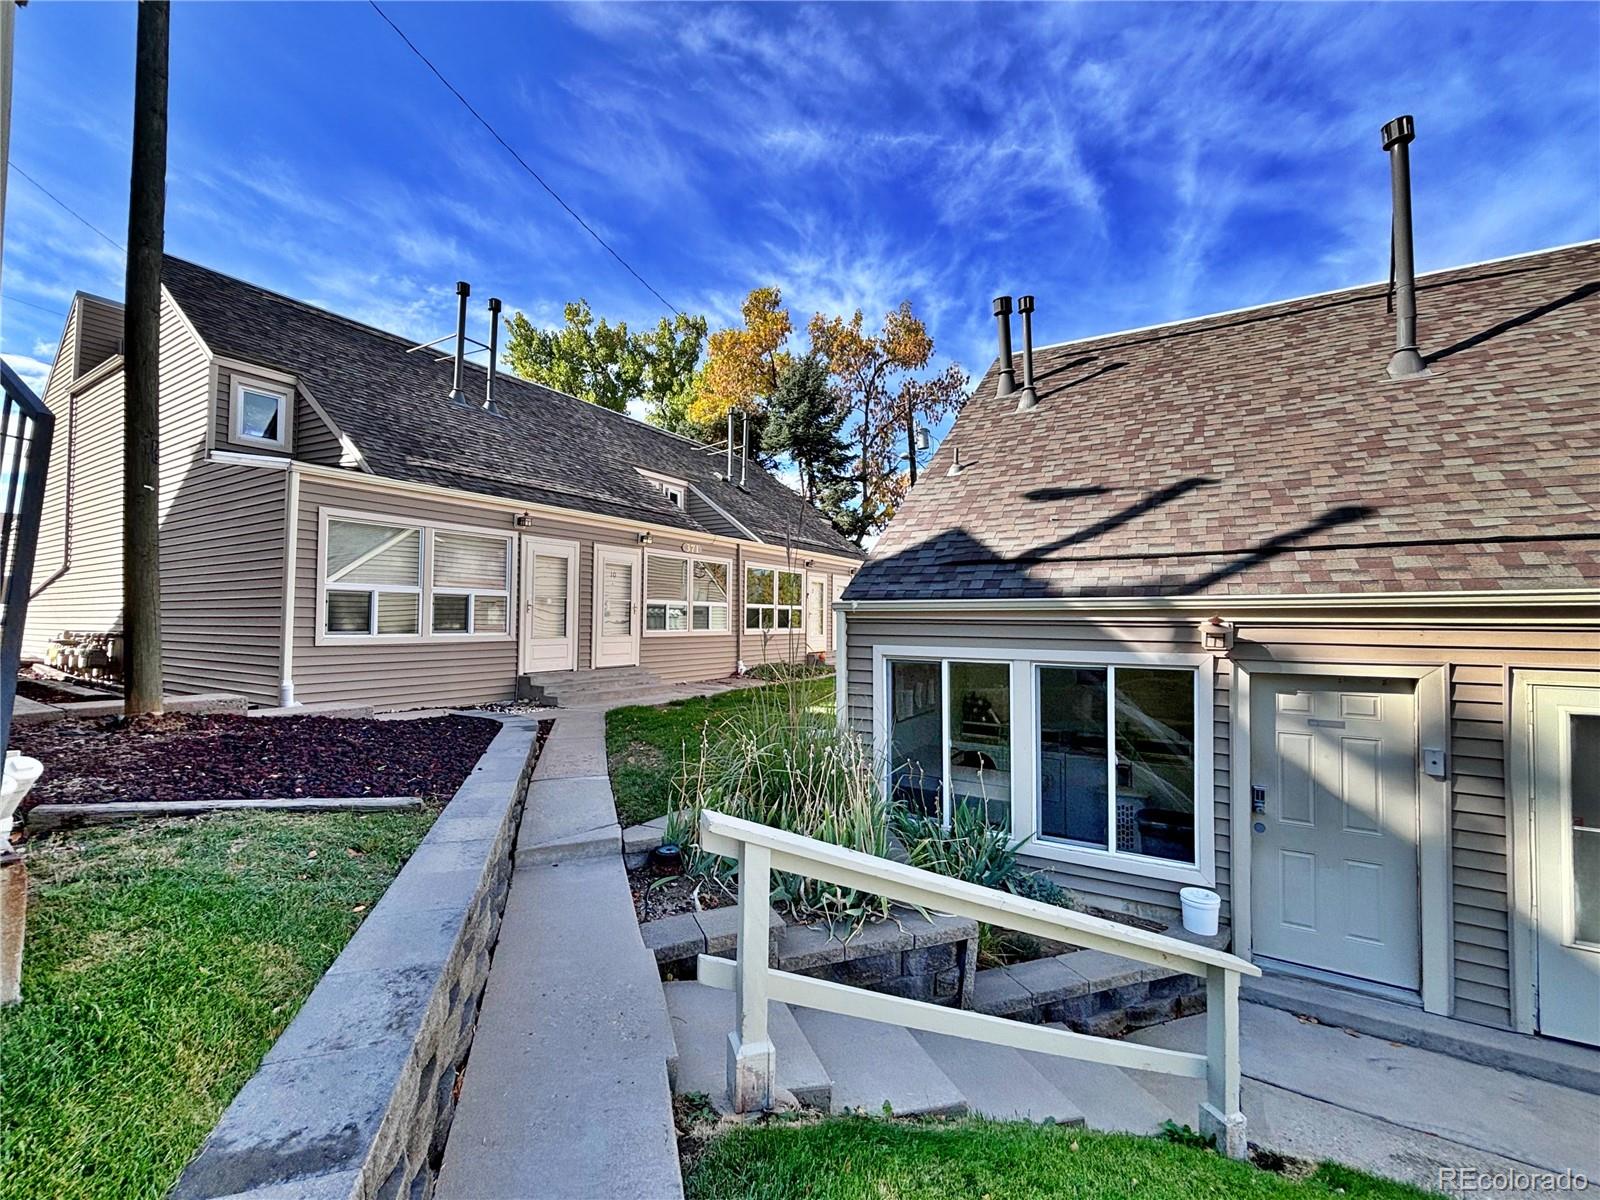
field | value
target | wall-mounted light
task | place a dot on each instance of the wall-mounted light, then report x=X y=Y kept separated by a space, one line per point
x=645 y=539
x=523 y=520
x=809 y=561
x=1216 y=635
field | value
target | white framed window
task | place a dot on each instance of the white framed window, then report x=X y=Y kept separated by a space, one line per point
x=372 y=579
x=260 y=413
x=471 y=582
x=773 y=598
x=684 y=594
x=1102 y=760
x=675 y=490
x=383 y=579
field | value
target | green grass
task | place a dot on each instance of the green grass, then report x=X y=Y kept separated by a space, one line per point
x=864 y=1158
x=162 y=961
x=645 y=744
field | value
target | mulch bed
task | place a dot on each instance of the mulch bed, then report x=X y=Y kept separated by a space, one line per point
x=46 y=693
x=186 y=756
x=656 y=896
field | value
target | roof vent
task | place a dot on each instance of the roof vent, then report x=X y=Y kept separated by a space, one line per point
x=1008 y=377
x=463 y=290
x=956 y=466
x=494 y=354
x=1405 y=363
x=1029 y=399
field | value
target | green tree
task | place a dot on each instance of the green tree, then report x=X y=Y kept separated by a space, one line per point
x=804 y=420
x=608 y=364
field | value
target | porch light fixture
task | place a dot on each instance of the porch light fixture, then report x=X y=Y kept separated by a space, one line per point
x=645 y=539
x=523 y=520
x=1216 y=635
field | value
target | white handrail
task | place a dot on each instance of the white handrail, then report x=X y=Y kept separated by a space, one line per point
x=761 y=849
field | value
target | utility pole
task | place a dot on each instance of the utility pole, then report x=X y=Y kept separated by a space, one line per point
x=911 y=441
x=141 y=526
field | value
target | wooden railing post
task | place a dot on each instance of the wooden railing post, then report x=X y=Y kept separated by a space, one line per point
x=752 y=1062
x=1221 y=1118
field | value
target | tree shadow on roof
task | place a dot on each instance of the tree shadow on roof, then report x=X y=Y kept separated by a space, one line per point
x=1279 y=543
x=1510 y=323
x=1132 y=512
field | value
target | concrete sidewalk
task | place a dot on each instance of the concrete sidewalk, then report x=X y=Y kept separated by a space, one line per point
x=1322 y=1092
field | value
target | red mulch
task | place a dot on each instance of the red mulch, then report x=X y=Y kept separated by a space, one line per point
x=183 y=756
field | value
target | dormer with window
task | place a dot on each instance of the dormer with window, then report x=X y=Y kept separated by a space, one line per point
x=675 y=490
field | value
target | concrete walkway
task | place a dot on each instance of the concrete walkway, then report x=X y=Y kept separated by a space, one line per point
x=566 y=1095
x=1323 y=1092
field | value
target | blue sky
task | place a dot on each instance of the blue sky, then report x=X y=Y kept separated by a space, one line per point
x=1126 y=164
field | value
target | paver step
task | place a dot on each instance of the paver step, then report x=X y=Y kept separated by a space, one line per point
x=998 y=1081
x=873 y=1064
x=701 y=1020
x=1110 y=1098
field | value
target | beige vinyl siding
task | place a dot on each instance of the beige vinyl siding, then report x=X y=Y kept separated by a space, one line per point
x=314 y=439
x=78 y=567
x=689 y=657
x=706 y=514
x=1479 y=660
x=1094 y=883
x=99 y=333
x=64 y=370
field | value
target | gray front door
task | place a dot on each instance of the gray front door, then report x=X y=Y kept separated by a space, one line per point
x=1334 y=864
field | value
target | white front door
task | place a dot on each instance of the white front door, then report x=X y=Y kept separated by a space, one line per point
x=817 y=614
x=1334 y=827
x=1565 y=767
x=549 y=605
x=616 y=607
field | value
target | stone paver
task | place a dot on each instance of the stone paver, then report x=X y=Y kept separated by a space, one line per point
x=873 y=1064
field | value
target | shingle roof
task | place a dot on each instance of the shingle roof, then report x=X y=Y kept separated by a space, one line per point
x=1266 y=452
x=547 y=448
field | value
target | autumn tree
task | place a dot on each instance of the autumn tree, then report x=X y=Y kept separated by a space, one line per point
x=608 y=364
x=745 y=364
x=884 y=398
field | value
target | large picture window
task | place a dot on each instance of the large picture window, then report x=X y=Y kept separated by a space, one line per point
x=773 y=599
x=950 y=737
x=1117 y=759
x=373 y=578
x=388 y=579
x=685 y=595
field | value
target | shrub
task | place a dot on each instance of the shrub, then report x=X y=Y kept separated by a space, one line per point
x=779 y=761
x=976 y=851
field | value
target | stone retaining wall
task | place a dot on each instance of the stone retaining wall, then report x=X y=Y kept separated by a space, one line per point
x=355 y=1100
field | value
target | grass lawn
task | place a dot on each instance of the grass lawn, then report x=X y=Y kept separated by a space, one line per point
x=863 y=1158
x=645 y=744
x=162 y=961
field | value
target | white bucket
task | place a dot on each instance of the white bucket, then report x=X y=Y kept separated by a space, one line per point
x=1200 y=909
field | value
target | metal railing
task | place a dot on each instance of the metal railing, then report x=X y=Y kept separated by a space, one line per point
x=26 y=428
x=752 y=1060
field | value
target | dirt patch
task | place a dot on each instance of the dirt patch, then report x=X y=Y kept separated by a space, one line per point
x=186 y=756
x=639 y=754
x=656 y=896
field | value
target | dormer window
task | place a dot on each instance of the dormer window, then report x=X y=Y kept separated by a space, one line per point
x=260 y=414
x=675 y=490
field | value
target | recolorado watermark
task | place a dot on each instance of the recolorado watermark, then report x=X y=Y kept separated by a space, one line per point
x=1474 y=1179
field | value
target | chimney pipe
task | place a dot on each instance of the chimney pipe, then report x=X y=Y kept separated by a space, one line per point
x=730 y=445
x=744 y=453
x=1405 y=362
x=494 y=352
x=1008 y=376
x=1029 y=398
x=463 y=290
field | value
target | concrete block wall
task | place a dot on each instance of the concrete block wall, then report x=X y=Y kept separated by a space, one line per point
x=355 y=1099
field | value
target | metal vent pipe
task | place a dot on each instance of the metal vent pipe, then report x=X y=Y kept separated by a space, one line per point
x=494 y=352
x=1398 y=135
x=744 y=451
x=1029 y=398
x=1007 y=382
x=730 y=446
x=463 y=290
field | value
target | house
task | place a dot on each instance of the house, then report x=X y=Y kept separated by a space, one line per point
x=1222 y=603
x=338 y=529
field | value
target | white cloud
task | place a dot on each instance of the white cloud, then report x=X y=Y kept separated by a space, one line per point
x=32 y=371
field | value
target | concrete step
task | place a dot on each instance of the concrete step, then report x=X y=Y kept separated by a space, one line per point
x=568 y=819
x=998 y=1081
x=702 y=1018
x=872 y=1064
x=573 y=1045
x=1109 y=1098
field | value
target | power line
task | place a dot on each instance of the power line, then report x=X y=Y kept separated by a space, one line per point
x=521 y=161
x=41 y=307
x=69 y=209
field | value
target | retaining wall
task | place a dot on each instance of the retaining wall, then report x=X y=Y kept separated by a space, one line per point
x=355 y=1100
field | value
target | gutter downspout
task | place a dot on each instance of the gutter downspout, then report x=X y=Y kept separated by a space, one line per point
x=291 y=547
x=841 y=665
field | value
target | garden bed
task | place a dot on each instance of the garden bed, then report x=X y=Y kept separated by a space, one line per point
x=656 y=896
x=183 y=756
